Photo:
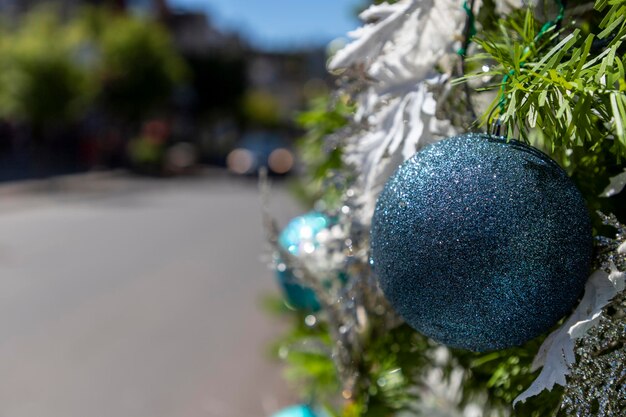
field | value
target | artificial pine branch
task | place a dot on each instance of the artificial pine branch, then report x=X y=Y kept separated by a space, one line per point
x=563 y=87
x=556 y=86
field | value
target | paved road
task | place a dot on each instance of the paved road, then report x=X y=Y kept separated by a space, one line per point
x=136 y=298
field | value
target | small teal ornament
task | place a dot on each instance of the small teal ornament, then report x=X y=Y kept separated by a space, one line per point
x=300 y=237
x=296 y=411
x=480 y=243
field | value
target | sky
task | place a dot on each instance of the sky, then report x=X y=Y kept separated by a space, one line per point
x=280 y=24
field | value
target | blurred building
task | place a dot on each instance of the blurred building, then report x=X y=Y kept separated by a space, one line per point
x=194 y=34
x=237 y=89
x=289 y=77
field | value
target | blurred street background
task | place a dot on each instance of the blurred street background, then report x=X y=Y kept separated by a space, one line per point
x=129 y=297
x=131 y=244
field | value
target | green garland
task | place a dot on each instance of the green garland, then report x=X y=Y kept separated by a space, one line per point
x=564 y=90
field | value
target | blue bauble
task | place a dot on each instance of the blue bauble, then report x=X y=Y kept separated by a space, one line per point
x=480 y=243
x=295 y=411
x=299 y=237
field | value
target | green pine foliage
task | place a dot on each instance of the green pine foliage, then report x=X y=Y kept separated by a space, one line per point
x=563 y=90
x=499 y=377
x=53 y=69
x=322 y=161
x=565 y=86
x=397 y=363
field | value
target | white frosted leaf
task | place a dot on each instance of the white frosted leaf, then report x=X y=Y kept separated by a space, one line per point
x=378 y=12
x=616 y=185
x=603 y=291
x=397 y=51
x=369 y=40
x=556 y=354
x=618 y=278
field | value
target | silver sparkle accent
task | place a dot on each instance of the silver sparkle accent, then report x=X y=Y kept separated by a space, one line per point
x=310 y=320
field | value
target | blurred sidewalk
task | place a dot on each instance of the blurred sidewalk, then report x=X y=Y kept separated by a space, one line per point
x=128 y=297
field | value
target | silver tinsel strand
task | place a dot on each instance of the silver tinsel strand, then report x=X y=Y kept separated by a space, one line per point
x=352 y=309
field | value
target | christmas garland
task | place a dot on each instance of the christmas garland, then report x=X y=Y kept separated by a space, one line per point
x=479 y=224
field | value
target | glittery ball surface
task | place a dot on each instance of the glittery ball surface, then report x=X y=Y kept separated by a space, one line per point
x=299 y=237
x=480 y=243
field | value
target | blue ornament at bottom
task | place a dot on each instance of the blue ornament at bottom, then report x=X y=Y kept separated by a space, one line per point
x=481 y=243
x=295 y=411
x=300 y=237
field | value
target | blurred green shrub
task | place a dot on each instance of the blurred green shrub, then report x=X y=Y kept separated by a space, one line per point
x=139 y=66
x=41 y=78
x=53 y=69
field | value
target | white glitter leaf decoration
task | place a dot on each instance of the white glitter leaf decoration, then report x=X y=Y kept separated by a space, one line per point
x=397 y=50
x=616 y=185
x=372 y=37
x=556 y=354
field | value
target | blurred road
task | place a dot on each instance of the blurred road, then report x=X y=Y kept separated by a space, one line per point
x=136 y=298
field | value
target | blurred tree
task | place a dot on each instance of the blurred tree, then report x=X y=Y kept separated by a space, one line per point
x=139 y=67
x=51 y=70
x=43 y=82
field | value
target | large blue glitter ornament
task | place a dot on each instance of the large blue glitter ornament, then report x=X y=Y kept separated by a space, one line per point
x=480 y=243
x=295 y=411
x=300 y=237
